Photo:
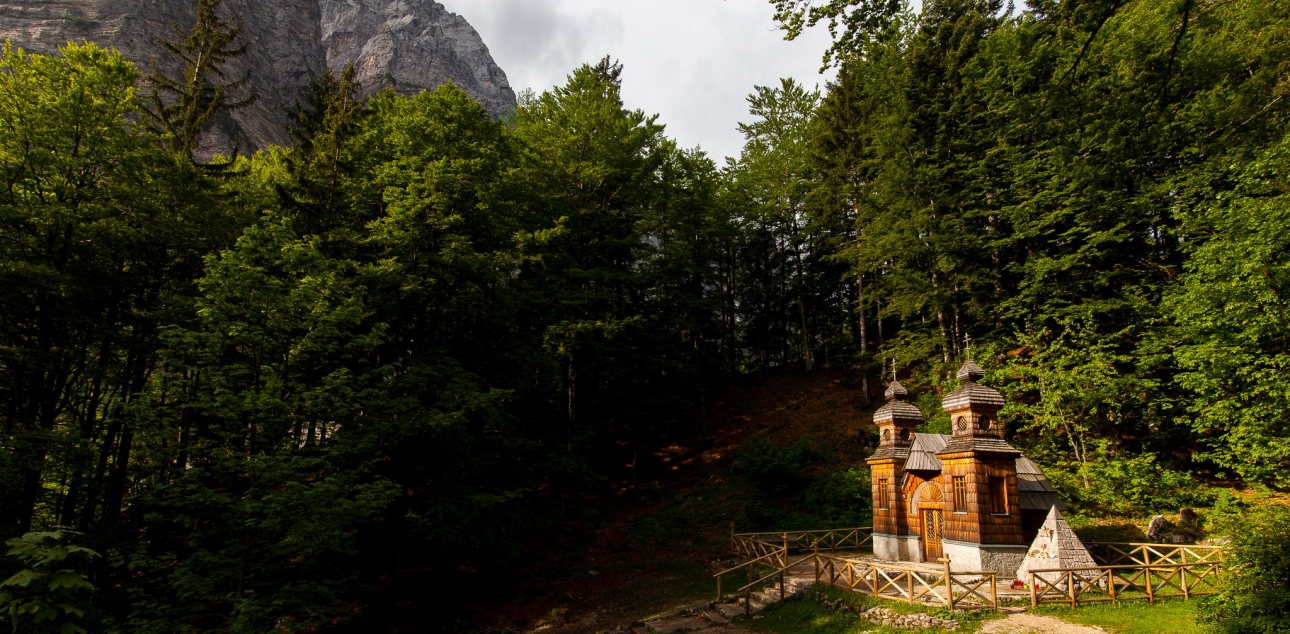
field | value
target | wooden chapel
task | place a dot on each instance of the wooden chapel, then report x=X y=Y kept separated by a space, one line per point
x=969 y=495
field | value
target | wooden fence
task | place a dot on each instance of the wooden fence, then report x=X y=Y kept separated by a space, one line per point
x=1130 y=553
x=910 y=584
x=759 y=544
x=776 y=561
x=1074 y=586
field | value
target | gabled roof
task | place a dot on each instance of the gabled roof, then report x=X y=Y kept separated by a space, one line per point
x=1036 y=493
x=922 y=456
x=1034 y=490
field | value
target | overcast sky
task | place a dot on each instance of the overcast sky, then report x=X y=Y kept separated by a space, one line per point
x=693 y=62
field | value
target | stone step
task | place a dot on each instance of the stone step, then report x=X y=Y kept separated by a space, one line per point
x=730 y=610
x=716 y=616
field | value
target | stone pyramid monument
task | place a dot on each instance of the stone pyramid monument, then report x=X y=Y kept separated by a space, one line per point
x=1056 y=546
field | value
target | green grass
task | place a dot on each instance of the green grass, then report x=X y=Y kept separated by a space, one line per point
x=805 y=616
x=1174 y=617
x=808 y=617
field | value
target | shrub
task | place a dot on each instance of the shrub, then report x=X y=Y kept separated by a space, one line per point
x=772 y=468
x=1255 y=590
x=49 y=591
x=843 y=498
x=1118 y=486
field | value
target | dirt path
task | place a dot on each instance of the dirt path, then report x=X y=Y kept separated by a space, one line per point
x=1024 y=623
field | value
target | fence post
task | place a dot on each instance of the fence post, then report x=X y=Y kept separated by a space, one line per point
x=1110 y=581
x=783 y=561
x=1183 y=571
x=718 y=587
x=1070 y=587
x=1034 y=599
x=994 y=591
x=1151 y=592
x=909 y=579
x=949 y=582
x=816 y=552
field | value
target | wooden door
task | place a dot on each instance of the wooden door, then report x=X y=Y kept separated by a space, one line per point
x=933 y=529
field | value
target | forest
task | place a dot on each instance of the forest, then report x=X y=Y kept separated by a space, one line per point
x=251 y=394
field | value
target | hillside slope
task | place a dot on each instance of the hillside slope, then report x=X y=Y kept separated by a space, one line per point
x=655 y=546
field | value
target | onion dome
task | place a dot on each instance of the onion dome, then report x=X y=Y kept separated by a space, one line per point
x=970 y=372
x=896 y=391
x=896 y=410
x=972 y=395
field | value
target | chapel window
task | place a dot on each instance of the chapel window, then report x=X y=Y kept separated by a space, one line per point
x=883 y=501
x=960 y=494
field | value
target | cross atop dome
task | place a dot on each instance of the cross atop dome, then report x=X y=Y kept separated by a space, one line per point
x=895 y=391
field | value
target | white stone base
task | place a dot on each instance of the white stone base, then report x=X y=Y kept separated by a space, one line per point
x=897 y=547
x=1002 y=559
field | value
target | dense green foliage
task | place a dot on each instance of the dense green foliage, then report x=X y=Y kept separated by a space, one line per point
x=48 y=594
x=1094 y=193
x=414 y=341
x=1255 y=592
x=273 y=388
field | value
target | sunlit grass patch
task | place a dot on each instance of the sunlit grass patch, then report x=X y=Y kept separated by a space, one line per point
x=1138 y=617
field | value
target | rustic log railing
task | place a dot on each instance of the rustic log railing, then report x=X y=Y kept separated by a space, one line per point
x=1140 y=554
x=758 y=544
x=776 y=560
x=1097 y=584
x=910 y=584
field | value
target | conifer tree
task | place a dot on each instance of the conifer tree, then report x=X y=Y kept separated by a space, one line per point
x=180 y=107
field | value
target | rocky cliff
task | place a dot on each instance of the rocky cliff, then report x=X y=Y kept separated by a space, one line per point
x=409 y=45
x=412 y=45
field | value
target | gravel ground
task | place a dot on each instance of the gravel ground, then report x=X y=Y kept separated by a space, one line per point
x=1034 y=624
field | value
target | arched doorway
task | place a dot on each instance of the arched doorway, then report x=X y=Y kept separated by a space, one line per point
x=928 y=504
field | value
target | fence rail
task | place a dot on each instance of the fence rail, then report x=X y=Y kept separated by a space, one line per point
x=1073 y=586
x=758 y=544
x=776 y=560
x=1141 y=554
x=910 y=584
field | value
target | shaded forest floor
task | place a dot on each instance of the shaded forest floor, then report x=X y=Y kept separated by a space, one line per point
x=655 y=546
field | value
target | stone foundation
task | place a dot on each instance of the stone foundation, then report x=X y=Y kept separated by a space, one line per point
x=1002 y=559
x=897 y=547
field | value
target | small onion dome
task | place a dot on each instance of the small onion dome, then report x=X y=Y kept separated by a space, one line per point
x=970 y=372
x=972 y=395
x=896 y=391
x=896 y=409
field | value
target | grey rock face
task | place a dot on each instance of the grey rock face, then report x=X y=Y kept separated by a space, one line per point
x=410 y=45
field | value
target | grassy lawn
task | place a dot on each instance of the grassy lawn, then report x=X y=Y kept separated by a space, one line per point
x=1138 y=617
x=805 y=616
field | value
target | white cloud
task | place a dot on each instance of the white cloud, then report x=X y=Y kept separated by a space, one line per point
x=693 y=62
